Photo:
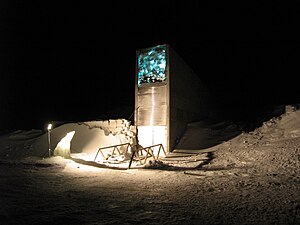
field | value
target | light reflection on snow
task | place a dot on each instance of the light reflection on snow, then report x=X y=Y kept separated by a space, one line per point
x=84 y=156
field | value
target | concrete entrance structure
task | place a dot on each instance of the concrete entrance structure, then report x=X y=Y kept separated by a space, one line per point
x=168 y=95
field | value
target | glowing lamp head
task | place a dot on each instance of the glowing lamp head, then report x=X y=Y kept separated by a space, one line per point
x=49 y=126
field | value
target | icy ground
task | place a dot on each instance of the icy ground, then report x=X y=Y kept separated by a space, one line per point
x=249 y=177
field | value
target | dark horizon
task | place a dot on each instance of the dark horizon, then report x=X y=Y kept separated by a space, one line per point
x=76 y=61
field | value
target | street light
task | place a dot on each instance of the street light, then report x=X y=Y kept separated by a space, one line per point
x=49 y=131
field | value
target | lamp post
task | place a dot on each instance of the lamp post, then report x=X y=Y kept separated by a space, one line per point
x=49 y=131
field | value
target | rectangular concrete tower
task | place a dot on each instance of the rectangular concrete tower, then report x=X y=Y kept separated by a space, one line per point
x=168 y=95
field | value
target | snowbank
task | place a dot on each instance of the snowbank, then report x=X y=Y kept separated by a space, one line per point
x=88 y=137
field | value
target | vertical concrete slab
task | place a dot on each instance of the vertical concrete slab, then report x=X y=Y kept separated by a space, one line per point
x=151 y=90
x=166 y=103
x=189 y=97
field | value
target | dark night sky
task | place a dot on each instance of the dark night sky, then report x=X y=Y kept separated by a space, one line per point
x=74 y=60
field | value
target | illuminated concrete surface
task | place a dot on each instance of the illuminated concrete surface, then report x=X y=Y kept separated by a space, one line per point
x=168 y=95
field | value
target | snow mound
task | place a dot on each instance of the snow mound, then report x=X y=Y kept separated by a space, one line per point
x=88 y=137
x=272 y=148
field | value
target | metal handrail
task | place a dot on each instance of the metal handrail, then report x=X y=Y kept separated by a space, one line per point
x=115 y=147
x=148 y=150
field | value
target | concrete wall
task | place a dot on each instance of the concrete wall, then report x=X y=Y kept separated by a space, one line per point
x=151 y=115
x=189 y=97
x=151 y=105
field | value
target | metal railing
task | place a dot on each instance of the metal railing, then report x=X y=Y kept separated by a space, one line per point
x=114 y=148
x=142 y=154
x=149 y=152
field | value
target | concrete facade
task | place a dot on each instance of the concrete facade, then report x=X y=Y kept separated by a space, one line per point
x=164 y=108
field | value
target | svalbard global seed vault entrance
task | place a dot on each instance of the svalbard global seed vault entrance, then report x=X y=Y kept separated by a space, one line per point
x=168 y=95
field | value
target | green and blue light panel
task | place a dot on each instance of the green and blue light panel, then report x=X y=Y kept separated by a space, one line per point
x=152 y=65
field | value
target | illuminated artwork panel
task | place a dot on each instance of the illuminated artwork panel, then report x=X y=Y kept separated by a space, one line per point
x=151 y=65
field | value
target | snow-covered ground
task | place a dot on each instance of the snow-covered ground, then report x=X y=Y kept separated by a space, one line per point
x=218 y=174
